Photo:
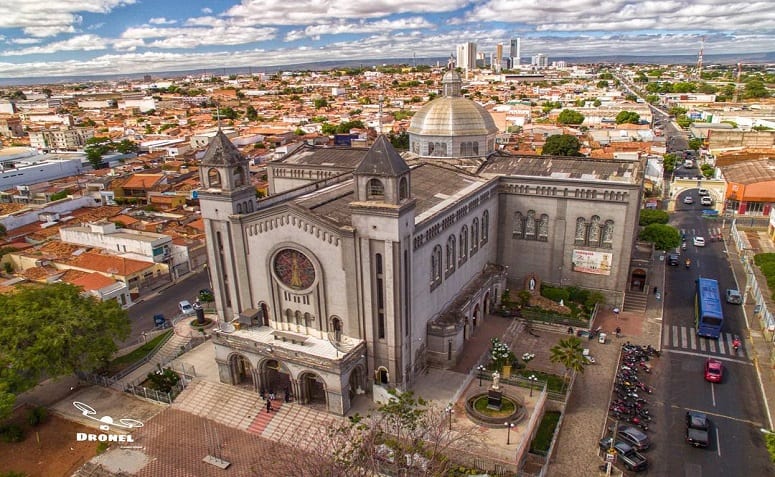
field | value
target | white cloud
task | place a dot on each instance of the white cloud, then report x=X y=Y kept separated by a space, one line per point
x=52 y=17
x=96 y=26
x=629 y=15
x=25 y=41
x=342 y=27
x=76 y=43
x=171 y=38
x=303 y=12
x=207 y=10
x=161 y=21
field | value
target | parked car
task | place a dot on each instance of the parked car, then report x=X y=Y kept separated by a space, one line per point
x=703 y=192
x=673 y=259
x=697 y=429
x=706 y=200
x=629 y=457
x=186 y=308
x=688 y=200
x=699 y=241
x=709 y=213
x=634 y=437
x=714 y=370
x=734 y=297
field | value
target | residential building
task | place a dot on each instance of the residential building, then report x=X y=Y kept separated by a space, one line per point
x=62 y=139
x=466 y=56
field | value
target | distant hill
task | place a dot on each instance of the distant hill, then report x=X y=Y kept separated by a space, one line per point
x=724 y=59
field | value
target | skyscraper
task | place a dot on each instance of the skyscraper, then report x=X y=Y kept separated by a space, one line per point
x=515 y=52
x=496 y=63
x=466 y=56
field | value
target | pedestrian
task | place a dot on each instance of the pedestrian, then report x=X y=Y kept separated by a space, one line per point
x=262 y=394
x=570 y=330
x=268 y=406
x=287 y=396
x=271 y=395
x=618 y=332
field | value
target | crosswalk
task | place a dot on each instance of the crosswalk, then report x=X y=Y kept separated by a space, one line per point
x=684 y=337
x=708 y=233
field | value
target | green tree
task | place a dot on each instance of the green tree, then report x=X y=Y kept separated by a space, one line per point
x=126 y=146
x=561 y=145
x=569 y=116
x=53 y=330
x=755 y=88
x=399 y=141
x=652 y=99
x=664 y=237
x=630 y=117
x=570 y=354
x=251 y=113
x=602 y=84
x=695 y=143
x=651 y=216
x=605 y=76
x=320 y=103
x=707 y=171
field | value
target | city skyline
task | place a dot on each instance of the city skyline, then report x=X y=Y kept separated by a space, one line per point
x=63 y=37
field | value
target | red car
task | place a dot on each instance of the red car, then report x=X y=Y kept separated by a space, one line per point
x=714 y=370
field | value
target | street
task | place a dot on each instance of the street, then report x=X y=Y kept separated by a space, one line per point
x=166 y=302
x=734 y=406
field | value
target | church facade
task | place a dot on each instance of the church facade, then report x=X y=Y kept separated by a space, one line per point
x=354 y=277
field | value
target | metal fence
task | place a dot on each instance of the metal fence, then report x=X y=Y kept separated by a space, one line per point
x=148 y=393
x=130 y=369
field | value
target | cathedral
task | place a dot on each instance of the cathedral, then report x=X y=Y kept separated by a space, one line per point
x=365 y=266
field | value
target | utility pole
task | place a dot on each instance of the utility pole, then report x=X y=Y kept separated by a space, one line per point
x=736 y=97
x=699 y=59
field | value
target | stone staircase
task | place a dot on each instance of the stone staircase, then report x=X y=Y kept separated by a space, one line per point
x=169 y=351
x=635 y=302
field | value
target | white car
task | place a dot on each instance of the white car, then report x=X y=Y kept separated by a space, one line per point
x=703 y=192
x=706 y=200
x=688 y=200
x=186 y=308
x=699 y=241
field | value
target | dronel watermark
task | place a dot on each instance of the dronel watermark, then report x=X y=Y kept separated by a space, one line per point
x=105 y=423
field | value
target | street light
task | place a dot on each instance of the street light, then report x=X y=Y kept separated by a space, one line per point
x=508 y=425
x=449 y=410
x=532 y=378
x=481 y=370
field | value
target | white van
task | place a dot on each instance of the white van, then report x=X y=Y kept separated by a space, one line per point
x=688 y=164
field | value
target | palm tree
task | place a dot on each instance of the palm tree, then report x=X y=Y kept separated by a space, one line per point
x=570 y=354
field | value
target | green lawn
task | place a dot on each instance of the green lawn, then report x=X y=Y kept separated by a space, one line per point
x=129 y=359
x=543 y=438
x=554 y=382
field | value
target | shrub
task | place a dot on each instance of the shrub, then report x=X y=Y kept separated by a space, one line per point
x=651 y=216
x=102 y=447
x=554 y=293
x=11 y=433
x=163 y=381
x=37 y=415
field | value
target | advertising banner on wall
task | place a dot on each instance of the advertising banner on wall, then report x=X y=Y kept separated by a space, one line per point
x=596 y=263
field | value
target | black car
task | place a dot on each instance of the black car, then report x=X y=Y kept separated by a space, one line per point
x=629 y=457
x=673 y=260
x=697 y=429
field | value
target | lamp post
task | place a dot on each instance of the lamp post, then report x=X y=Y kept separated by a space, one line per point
x=449 y=410
x=508 y=425
x=481 y=370
x=532 y=378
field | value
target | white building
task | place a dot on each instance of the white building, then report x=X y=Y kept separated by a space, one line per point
x=466 y=56
x=133 y=244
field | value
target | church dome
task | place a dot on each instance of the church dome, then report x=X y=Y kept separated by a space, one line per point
x=453 y=116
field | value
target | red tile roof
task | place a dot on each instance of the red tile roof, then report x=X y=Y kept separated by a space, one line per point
x=109 y=264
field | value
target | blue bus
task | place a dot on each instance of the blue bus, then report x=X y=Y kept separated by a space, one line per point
x=708 y=316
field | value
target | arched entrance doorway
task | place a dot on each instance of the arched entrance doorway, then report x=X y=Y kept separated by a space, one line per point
x=274 y=377
x=241 y=371
x=638 y=280
x=476 y=316
x=382 y=375
x=264 y=313
x=487 y=309
x=313 y=390
x=356 y=382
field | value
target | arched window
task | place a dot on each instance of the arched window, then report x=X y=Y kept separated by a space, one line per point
x=239 y=208
x=375 y=190
x=485 y=226
x=581 y=231
x=430 y=148
x=436 y=267
x=519 y=226
x=608 y=234
x=336 y=327
x=530 y=225
x=593 y=238
x=476 y=148
x=403 y=189
x=543 y=228
x=451 y=253
x=213 y=178
x=239 y=177
x=463 y=248
x=474 y=235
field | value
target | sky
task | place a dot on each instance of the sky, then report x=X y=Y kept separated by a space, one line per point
x=41 y=38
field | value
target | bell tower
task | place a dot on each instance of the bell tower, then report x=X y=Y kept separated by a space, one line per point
x=383 y=218
x=225 y=196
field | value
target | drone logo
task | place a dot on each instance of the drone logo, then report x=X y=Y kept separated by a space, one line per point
x=105 y=423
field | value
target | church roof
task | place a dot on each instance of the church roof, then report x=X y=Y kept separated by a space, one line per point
x=221 y=152
x=433 y=187
x=382 y=160
x=345 y=158
x=560 y=167
x=452 y=116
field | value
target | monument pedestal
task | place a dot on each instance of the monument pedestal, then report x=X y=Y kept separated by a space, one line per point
x=494 y=399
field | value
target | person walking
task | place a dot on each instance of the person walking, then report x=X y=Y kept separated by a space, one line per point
x=268 y=406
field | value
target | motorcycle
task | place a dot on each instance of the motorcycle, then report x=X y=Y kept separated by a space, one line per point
x=683 y=246
x=736 y=343
x=688 y=263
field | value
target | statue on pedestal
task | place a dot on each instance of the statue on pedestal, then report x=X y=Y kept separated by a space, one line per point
x=496 y=379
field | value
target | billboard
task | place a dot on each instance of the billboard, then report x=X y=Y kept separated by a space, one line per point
x=596 y=263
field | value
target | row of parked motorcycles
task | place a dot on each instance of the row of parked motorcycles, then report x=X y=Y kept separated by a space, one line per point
x=629 y=403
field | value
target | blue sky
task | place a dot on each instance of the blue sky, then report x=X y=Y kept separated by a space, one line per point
x=80 y=37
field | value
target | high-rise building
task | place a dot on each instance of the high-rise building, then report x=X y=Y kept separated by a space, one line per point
x=466 y=56
x=540 y=61
x=496 y=63
x=515 y=52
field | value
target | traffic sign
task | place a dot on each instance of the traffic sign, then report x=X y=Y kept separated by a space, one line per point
x=611 y=457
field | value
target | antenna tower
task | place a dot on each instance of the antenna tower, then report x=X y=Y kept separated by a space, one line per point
x=737 y=82
x=699 y=58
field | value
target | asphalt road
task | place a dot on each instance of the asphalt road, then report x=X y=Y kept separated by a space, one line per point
x=735 y=405
x=166 y=302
